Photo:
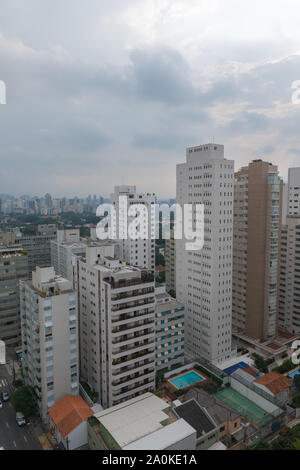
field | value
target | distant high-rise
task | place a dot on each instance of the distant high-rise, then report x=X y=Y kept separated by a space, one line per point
x=139 y=252
x=49 y=337
x=203 y=278
x=256 y=250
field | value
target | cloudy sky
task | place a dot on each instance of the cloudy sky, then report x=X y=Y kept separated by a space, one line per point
x=106 y=92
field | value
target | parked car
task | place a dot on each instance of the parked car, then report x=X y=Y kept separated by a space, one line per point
x=20 y=418
x=1 y=404
x=5 y=396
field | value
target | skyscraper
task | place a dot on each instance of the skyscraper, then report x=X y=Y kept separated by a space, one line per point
x=256 y=250
x=203 y=278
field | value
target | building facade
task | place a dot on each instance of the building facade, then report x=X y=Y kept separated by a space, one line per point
x=13 y=268
x=204 y=277
x=116 y=304
x=38 y=248
x=169 y=330
x=256 y=250
x=139 y=252
x=170 y=263
x=64 y=250
x=49 y=324
x=294 y=192
x=289 y=293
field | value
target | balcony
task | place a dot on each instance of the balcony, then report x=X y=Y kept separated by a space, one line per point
x=124 y=318
x=146 y=277
x=131 y=358
x=134 y=377
x=132 y=305
x=133 y=336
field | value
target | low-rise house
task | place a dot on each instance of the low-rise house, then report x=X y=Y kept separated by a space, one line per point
x=68 y=421
x=227 y=419
x=278 y=385
x=207 y=429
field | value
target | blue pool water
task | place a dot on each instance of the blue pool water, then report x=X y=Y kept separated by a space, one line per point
x=187 y=379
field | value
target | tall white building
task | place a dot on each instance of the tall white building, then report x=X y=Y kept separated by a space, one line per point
x=204 y=278
x=294 y=192
x=116 y=304
x=139 y=252
x=49 y=326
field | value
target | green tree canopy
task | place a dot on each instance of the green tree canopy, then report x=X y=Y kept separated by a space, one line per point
x=24 y=399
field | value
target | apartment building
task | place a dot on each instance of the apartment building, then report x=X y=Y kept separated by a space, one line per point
x=116 y=304
x=13 y=268
x=49 y=323
x=64 y=251
x=140 y=252
x=256 y=250
x=7 y=238
x=204 y=277
x=38 y=248
x=170 y=263
x=294 y=192
x=169 y=330
x=289 y=291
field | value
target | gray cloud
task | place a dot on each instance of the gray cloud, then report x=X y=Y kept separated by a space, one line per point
x=91 y=103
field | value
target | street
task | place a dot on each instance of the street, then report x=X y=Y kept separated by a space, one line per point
x=13 y=437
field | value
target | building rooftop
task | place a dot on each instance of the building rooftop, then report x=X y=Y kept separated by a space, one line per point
x=69 y=412
x=215 y=407
x=196 y=416
x=164 y=437
x=274 y=382
x=134 y=419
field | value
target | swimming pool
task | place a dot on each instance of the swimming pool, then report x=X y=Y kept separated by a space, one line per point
x=187 y=379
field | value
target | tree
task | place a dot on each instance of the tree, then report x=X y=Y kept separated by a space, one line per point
x=172 y=293
x=297 y=382
x=262 y=445
x=24 y=399
x=296 y=398
x=260 y=364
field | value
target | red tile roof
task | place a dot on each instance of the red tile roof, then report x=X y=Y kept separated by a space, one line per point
x=250 y=371
x=69 y=412
x=274 y=382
